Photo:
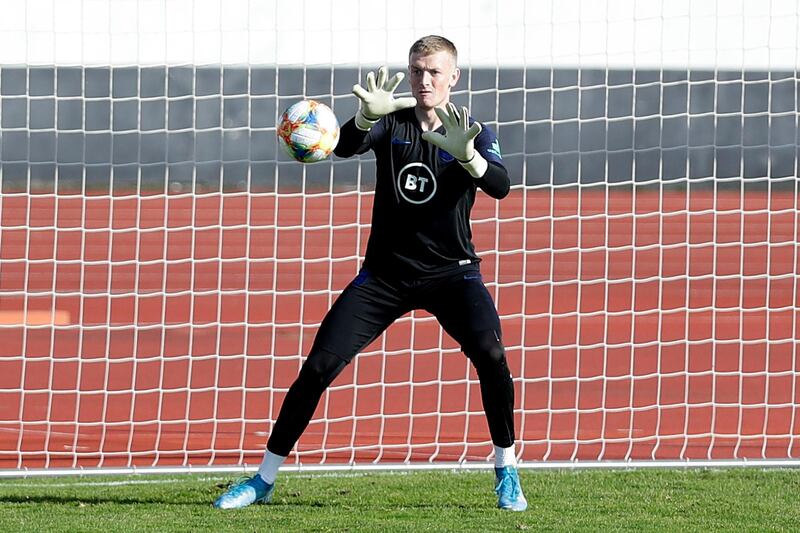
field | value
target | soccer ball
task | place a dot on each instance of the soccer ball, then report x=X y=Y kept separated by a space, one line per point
x=309 y=131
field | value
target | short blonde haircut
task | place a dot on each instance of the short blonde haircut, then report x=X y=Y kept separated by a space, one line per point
x=430 y=44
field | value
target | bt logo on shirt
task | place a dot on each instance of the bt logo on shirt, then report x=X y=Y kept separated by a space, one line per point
x=416 y=183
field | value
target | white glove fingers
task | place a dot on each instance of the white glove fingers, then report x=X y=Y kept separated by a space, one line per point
x=371 y=82
x=452 y=114
x=393 y=82
x=444 y=116
x=405 y=102
x=360 y=92
x=464 y=117
x=455 y=118
x=383 y=73
x=436 y=139
x=473 y=131
x=440 y=113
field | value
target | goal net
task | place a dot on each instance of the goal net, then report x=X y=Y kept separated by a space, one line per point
x=164 y=266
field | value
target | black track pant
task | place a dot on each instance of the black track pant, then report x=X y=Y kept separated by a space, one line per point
x=366 y=307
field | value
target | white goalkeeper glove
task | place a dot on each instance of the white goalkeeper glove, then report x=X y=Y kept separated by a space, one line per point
x=459 y=139
x=378 y=100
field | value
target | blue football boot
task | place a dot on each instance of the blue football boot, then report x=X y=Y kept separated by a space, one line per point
x=248 y=491
x=508 y=489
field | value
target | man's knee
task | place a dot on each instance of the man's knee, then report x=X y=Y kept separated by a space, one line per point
x=320 y=369
x=486 y=349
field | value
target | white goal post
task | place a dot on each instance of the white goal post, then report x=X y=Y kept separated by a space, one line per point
x=164 y=266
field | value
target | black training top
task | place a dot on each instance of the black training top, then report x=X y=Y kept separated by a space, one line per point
x=423 y=197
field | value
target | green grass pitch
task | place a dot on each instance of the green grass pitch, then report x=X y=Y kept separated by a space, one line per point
x=563 y=500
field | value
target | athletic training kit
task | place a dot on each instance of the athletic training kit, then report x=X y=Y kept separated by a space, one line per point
x=419 y=256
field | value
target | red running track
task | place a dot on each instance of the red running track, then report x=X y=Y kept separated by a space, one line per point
x=165 y=330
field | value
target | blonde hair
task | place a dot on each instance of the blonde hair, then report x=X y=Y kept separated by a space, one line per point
x=430 y=44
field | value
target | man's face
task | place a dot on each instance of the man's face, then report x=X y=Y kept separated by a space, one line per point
x=431 y=77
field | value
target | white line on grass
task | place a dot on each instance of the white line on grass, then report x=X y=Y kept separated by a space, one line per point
x=7 y=484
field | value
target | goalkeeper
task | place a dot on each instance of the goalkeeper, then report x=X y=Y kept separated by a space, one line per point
x=431 y=159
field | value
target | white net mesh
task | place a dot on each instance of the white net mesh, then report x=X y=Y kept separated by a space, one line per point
x=164 y=267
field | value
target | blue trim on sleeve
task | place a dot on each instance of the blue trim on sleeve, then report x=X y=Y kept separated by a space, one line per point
x=488 y=145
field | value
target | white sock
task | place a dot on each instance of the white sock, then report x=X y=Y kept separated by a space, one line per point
x=269 y=466
x=505 y=456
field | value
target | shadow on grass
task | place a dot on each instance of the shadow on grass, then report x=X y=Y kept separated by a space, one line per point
x=290 y=502
x=95 y=500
